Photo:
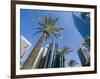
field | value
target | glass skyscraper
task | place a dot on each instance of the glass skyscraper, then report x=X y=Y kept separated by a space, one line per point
x=82 y=23
x=84 y=56
x=52 y=58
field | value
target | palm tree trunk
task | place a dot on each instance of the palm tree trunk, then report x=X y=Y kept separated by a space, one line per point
x=30 y=60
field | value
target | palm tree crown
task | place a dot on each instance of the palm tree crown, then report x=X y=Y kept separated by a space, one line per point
x=65 y=50
x=72 y=63
x=47 y=26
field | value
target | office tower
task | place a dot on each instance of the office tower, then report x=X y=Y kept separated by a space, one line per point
x=82 y=23
x=84 y=55
x=51 y=57
x=40 y=56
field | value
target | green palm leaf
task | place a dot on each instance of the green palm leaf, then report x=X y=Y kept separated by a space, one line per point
x=53 y=22
x=72 y=63
x=57 y=29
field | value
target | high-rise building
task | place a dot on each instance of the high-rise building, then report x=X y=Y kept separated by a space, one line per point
x=50 y=57
x=84 y=55
x=41 y=54
x=82 y=24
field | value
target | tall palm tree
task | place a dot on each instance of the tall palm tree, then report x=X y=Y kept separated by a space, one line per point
x=48 y=29
x=62 y=54
x=72 y=63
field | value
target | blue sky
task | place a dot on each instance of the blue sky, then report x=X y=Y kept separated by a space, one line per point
x=71 y=37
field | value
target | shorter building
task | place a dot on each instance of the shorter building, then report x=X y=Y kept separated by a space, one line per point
x=25 y=45
x=84 y=55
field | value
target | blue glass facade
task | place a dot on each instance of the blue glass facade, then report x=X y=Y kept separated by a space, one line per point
x=82 y=23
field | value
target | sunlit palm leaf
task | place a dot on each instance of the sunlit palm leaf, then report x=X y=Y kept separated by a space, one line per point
x=53 y=22
x=57 y=29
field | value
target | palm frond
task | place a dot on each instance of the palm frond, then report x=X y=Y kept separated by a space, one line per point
x=72 y=63
x=39 y=28
x=37 y=32
x=45 y=20
x=65 y=50
x=56 y=35
x=53 y=22
x=41 y=23
x=49 y=20
x=57 y=29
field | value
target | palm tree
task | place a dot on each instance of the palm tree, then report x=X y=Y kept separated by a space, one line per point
x=48 y=30
x=72 y=63
x=87 y=41
x=65 y=50
x=62 y=54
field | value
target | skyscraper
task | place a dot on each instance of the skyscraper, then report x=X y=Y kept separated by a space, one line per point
x=51 y=57
x=82 y=23
x=39 y=59
x=84 y=55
